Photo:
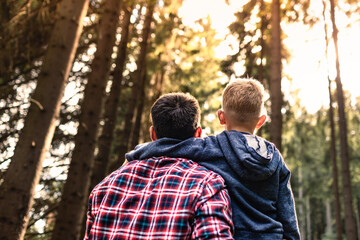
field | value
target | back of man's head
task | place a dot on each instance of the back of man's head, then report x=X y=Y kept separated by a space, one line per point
x=175 y=115
x=244 y=99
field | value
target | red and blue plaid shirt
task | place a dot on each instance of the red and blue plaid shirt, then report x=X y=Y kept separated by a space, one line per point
x=160 y=198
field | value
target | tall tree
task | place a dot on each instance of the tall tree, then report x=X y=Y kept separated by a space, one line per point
x=25 y=30
x=72 y=205
x=102 y=158
x=350 y=227
x=335 y=168
x=137 y=83
x=262 y=51
x=301 y=206
x=135 y=135
x=333 y=145
x=275 y=76
x=111 y=106
x=17 y=189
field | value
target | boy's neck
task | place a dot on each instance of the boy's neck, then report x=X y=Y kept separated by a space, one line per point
x=240 y=129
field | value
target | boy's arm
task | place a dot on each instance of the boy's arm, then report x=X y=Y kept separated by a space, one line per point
x=286 y=205
x=212 y=218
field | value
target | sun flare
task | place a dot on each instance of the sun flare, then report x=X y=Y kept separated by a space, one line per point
x=308 y=69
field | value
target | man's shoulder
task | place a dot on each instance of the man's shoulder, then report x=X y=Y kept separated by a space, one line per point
x=160 y=169
x=167 y=165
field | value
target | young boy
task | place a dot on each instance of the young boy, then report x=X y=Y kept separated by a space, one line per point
x=254 y=170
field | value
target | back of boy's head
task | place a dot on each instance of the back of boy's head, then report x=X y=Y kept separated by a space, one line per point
x=175 y=115
x=244 y=99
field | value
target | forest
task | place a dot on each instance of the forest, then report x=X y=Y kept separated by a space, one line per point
x=78 y=78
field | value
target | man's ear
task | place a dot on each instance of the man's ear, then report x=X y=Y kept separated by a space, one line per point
x=198 y=132
x=153 y=134
x=221 y=116
x=261 y=121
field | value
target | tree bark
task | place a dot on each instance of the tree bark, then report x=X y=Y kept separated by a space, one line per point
x=124 y=145
x=23 y=174
x=275 y=78
x=336 y=194
x=350 y=226
x=102 y=158
x=72 y=205
x=335 y=169
x=111 y=107
x=328 y=217
x=302 y=222
x=308 y=218
x=262 y=51
x=139 y=111
x=358 y=215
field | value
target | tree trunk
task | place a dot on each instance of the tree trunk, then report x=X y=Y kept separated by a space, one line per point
x=333 y=145
x=358 y=215
x=159 y=83
x=23 y=174
x=123 y=148
x=335 y=169
x=139 y=111
x=111 y=107
x=102 y=158
x=308 y=218
x=275 y=78
x=5 y=61
x=155 y=91
x=262 y=51
x=328 y=217
x=71 y=209
x=159 y=79
x=350 y=227
x=301 y=205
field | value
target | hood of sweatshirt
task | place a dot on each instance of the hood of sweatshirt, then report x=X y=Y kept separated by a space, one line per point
x=250 y=156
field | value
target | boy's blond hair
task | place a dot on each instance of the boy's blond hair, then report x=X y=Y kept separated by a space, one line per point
x=244 y=98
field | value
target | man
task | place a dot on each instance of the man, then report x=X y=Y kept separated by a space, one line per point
x=162 y=197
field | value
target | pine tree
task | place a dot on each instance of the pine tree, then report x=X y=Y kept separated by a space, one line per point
x=350 y=227
x=333 y=146
x=275 y=77
x=72 y=205
x=124 y=146
x=102 y=159
x=17 y=189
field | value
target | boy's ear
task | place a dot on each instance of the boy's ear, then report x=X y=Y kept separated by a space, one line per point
x=153 y=134
x=221 y=116
x=261 y=121
x=198 y=132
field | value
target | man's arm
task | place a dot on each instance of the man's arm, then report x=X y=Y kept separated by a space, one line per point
x=213 y=212
x=286 y=205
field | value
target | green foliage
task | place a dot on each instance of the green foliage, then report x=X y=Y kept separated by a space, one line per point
x=186 y=57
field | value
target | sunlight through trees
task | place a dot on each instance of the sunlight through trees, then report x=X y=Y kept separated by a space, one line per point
x=78 y=78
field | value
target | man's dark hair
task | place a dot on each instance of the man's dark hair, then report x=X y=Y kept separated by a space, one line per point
x=175 y=115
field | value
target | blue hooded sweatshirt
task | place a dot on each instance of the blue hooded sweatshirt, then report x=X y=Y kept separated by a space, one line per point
x=255 y=174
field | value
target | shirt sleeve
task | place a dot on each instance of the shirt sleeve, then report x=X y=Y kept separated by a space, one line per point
x=213 y=212
x=286 y=206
